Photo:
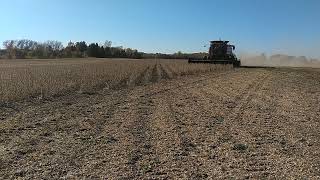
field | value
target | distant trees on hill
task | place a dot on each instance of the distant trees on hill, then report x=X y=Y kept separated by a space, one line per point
x=27 y=49
x=178 y=55
x=21 y=49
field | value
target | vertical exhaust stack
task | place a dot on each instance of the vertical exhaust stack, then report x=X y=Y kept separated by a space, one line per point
x=220 y=52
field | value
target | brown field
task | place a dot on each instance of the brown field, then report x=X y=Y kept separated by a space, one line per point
x=22 y=79
x=157 y=119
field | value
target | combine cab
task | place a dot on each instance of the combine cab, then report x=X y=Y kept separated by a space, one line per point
x=220 y=52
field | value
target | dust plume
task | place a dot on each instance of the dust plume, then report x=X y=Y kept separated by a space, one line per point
x=278 y=60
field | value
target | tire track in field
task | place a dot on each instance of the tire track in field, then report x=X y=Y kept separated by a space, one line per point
x=246 y=96
x=213 y=132
x=134 y=155
x=140 y=156
x=229 y=134
x=143 y=157
x=273 y=136
x=112 y=105
x=259 y=123
x=185 y=151
x=258 y=161
x=146 y=156
x=99 y=138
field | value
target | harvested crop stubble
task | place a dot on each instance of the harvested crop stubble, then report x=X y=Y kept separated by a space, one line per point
x=246 y=123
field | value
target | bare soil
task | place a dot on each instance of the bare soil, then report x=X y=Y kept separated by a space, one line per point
x=241 y=123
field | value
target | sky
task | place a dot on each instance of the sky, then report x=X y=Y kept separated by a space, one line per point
x=254 y=26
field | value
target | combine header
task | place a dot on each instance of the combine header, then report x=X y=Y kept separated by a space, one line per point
x=220 y=52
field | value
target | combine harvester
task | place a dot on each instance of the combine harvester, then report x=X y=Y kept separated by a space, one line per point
x=220 y=52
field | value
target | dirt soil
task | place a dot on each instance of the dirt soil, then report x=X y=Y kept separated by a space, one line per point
x=242 y=123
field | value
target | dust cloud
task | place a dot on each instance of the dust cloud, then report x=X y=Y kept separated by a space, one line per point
x=278 y=60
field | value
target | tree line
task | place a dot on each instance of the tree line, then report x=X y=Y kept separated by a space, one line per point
x=24 y=49
x=177 y=55
x=29 y=49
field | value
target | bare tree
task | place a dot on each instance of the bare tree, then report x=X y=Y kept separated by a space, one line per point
x=10 y=47
x=107 y=44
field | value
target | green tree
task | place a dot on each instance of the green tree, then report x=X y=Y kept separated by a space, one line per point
x=82 y=48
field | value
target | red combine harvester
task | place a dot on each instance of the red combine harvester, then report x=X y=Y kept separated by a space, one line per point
x=220 y=52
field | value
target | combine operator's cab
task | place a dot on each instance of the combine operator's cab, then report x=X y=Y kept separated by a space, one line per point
x=220 y=52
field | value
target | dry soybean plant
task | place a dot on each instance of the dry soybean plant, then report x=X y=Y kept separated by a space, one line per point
x=21 y=79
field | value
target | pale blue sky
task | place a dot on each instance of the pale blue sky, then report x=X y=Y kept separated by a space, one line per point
x=254 y=26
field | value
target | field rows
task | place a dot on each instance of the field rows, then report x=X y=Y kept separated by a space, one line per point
x=237 y=124
x=44 y=78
